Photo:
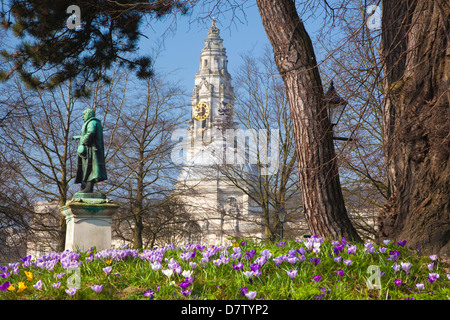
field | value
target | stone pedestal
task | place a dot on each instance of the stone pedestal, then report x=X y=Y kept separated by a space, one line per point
x=88 y=218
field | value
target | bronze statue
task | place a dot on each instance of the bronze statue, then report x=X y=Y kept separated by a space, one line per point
x=90 y=153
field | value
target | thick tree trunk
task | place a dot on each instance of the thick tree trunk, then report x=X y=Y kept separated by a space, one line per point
x=416 y=59
x=323 y=202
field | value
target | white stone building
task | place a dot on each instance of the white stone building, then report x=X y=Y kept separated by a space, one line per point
x=220 y=209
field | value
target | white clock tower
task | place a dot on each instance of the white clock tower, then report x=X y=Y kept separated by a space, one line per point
x=212 y=98
x=219 y=208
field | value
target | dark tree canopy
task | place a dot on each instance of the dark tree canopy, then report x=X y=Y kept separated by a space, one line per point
x=109 y=33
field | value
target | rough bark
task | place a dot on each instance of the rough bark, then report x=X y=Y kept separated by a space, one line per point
x=416 y=59
x=323 y=202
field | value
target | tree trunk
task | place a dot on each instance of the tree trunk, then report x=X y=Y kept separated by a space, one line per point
x=139 y=204
x=416 y=59
x=323 y=202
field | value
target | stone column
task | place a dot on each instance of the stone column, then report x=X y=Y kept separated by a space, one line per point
x=88 y=217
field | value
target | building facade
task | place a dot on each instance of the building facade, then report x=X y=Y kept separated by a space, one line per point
x=220 y=209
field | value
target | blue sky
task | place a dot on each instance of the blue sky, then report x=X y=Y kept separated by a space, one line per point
x=181 y=51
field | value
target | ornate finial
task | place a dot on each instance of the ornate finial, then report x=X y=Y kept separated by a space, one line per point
x=213 y=31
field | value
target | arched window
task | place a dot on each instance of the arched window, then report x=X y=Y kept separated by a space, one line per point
x=193 y=232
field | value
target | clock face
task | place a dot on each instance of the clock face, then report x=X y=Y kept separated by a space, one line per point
x=201 y=111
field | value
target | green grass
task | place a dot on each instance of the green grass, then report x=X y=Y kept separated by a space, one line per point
x=132 y=274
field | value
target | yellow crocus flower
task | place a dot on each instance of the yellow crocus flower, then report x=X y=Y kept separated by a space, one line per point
x=29 y=275
x=22 y=287
x=11 y=288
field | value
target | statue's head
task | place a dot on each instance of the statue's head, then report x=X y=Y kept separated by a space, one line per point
x=88 y=113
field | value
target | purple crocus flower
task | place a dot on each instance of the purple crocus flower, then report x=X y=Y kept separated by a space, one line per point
x=56 y=285
x=25 y=259
x=281 y=244
x=4 y=286
x=432 y=277
x=292 y=259
x=190 y=279
x=107 y=270
x=292 y=273
x=266 y=254
x=149 y=293
x=257 y=273
x=401 y=243
x=317 y=278
x=315 y=261
x=396 y=267
x=185 y=292
x=351 y=249
x=255 y=267
x=348 y=262
x=71 y=291
x=406 y=266
x=251 y=295
x=261 y=261
x=97 y=288
x=248 y=273
x=338 y=248
x=420 y=286
x=250 y=254
x=243 y=291
x=340 y=273
x=433 y=257
x=238 y=266
x=278 y=260
x=337 y=259
x=393 y=255
x=225 y=260
x=368 y=247
x=59 y=275
x=184 y=285
x=200 y=247
x=397 y=282
x=38 y=285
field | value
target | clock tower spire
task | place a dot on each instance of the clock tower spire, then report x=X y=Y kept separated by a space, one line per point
x=212 y=97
